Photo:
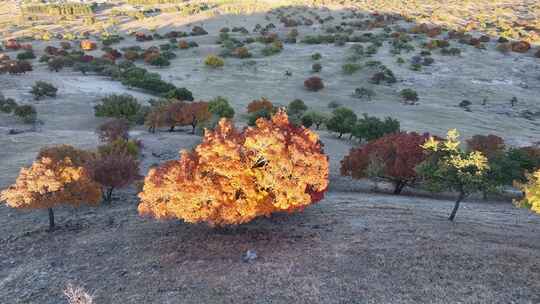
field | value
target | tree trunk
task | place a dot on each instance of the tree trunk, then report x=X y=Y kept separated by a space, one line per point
x=340 y=134
x=350 y=136
x=51 y=219
x=107 y=195
x=317 y=126
x=399 y=187
x=456 y=206
x=171 y=129
x=193 y=130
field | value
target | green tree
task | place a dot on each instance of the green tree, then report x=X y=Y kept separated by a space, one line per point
x=447 y=167
x=342 y=121
x=118 y=106
x=220 y=107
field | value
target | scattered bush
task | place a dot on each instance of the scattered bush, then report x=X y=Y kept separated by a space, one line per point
x=362 y=93
x=56 y=63
x=261 y=104
x=118 y=106
x=314 y=84
x=181 y=94
x=7 y=105
x=27 y=113
x=213 y=61
x=41 y=89
x=316 y=56
x=393 y=157
x=350 y=68
x=234 y=177
x=220 y=107
x=316 y=67
x=26 y=55
x=409 y=96
x=113 y=130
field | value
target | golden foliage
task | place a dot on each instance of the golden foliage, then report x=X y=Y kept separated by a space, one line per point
x=233 y=177
x=531 y=191
x=50 y=182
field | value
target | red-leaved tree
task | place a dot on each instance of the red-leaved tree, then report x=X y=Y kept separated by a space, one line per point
x=393 y=157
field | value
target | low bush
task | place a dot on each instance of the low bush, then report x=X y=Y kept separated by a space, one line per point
x=113 y=130
x=214 y=61
x=350 y=68
x=220 y=107
x=118 y=106
x=41 y=89
x=26 y=55
x=314 y=84
x=409 y=96
x=263 y=103
x=27 y=113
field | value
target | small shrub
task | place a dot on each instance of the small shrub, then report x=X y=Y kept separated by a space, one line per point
x=113 y=130
x=41 y=89
x=181 y=94
x=409 y=96
x=213 y=61
x=363 y=93
x=350 y=68
x=26 y=55
x=7 y=105
x=27 y=113
x=316 y=67
x=314 y=84
x=220 y=107
x=263 y=103
x=316 y=56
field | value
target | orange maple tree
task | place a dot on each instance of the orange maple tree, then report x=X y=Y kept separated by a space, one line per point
x=52 y=180
x=233 y=177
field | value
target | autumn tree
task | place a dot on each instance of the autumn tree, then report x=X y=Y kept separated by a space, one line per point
x=233 y=177
x=393 y=157
x=194 y=113
x=257 y=105
x=531 y=191
x=114 y=168
x=57 y=177
x=447 y=167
